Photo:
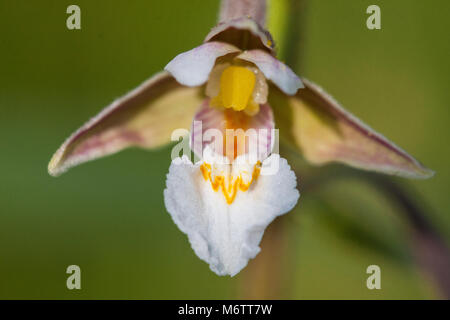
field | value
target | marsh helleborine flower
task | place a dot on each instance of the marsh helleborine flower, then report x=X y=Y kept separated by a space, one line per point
x=233 y=81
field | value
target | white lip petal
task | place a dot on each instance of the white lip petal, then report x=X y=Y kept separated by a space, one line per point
x=192 y=68
x=226 y=235
x=280 y=74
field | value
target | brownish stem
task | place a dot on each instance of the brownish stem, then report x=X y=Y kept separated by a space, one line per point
x=232 y=9
x=268 y=276
x=264 y=277
x=427 y=246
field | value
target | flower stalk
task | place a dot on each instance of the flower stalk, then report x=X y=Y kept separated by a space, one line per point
x=427 y=246
x=268 y=276
x=233 y=9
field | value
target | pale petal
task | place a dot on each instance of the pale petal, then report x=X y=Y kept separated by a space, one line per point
x=260 y=140
x=233 y=9
x=225 y=235
x=192 y=68
x=325 y=132
x=280 y=74
x=212 y=89
x=261 y=90
x=245 y=33
x=145 y=117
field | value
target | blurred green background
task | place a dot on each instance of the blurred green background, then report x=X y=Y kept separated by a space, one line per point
x=108 y=216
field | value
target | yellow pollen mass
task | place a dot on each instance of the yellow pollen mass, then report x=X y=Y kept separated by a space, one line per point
x=236 y=88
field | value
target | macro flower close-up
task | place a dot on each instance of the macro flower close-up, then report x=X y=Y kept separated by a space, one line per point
x=224 y=202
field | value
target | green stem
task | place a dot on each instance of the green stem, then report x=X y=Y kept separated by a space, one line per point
x=293 y=35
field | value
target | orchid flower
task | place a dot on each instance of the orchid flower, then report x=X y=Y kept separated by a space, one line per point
x=232 y=81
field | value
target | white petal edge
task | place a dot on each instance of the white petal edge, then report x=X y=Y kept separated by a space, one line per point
x=227 y=236
x=192 y=68
x=276 y=71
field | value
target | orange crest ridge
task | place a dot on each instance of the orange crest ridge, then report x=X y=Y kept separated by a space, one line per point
x=230 y=187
